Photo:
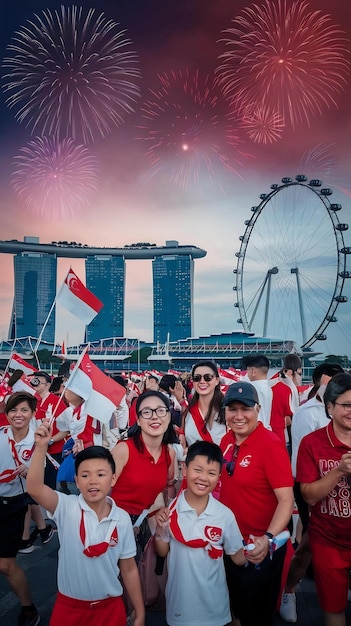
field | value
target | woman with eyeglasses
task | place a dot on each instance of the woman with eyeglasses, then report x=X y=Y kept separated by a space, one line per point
x=256 y=484
x=205 y=418
x=145 y=463
x=324 y=474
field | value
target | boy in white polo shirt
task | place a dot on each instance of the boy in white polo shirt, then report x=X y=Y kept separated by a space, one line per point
x=96 y=541
x=195 y=531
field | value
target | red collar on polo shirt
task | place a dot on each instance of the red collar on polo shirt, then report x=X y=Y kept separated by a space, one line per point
x=111 y=539
x=213 y=552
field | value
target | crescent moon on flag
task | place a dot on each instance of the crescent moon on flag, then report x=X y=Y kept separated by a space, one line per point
x=72 y=282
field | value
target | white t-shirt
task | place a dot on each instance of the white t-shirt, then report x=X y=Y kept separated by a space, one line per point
x=82 y=577
x=196 y=590
x=192 y=434
x=265 y=396
x=24 y=450
x=309 y=417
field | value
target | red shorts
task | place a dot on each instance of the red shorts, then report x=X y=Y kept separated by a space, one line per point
x=331 y=568
x=71 y=612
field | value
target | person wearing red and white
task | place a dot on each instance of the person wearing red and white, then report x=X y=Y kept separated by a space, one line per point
x=205 y=419
x=285 y=398
x=96 y=541
x=194 y=532
x=16 y=447
x=256 y=484
x=324 y=473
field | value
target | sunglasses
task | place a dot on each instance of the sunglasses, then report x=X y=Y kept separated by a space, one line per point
x=230 y=465
x=207 y=378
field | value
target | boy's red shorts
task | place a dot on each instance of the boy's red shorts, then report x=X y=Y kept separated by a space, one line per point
x=70 y=612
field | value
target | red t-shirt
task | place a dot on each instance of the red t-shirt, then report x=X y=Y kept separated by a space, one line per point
x=281 y=408
x=40 y=412
x=141 y=479
x=330 y=521
x=262 y=465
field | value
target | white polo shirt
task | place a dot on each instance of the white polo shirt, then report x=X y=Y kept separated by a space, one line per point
x=309 y=417
x=24 y=450
x=196 y=591
x=80 y=576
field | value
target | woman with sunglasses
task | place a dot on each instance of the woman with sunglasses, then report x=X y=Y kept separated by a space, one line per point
x=145 y=463
x=205 y=418
x=256 y=484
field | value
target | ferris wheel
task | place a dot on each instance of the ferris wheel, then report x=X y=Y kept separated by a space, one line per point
x=291 y=265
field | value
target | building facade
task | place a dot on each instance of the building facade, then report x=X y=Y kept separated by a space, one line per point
x=105 y=277
x=35 y=291
x=173 y=282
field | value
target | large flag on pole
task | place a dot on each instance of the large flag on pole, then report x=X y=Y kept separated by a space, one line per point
x=17 y=363
x=101 y=393
x=77 y=299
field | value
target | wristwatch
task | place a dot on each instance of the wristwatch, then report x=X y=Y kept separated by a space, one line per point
x=51 y=442
x=270 y=537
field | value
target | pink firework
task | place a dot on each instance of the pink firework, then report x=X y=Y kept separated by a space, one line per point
x=55 y=178
x=262 y=125
x=188 y=129
x=285 y=56
x=71 y=73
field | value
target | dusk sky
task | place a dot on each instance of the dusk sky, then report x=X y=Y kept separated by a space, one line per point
x=213 y=103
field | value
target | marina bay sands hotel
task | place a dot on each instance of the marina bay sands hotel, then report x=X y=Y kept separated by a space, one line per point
x=35 y=286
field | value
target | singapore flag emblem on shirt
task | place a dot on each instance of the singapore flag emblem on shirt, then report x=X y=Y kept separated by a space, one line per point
x=77 y=299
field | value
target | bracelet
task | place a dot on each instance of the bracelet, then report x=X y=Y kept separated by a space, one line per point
x=270 y=536
x=51 y=441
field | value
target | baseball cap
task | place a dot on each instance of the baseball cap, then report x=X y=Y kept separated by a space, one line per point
x=241 y=392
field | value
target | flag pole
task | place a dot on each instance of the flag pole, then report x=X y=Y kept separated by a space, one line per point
x=78 y=362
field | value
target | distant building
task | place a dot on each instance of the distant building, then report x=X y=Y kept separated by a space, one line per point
x=173 y=282
x=35 y=290
x=105 y=275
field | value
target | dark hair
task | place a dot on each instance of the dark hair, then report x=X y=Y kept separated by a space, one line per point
x=135 y=432
x=18 y=397
x=167 y=382
x=119 y=379
x=292 y=362
x=207 y=449
x=335 y=388
x=216 y=404
x=329 y=369
x=56 y=384
x=94 y=452
x=256 y=360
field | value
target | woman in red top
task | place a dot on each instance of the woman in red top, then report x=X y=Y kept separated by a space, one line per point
x=145 y=463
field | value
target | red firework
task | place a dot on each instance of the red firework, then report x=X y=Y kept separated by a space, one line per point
x=189 y=129
x=285 y=56
x=262 y=125
x=55 y=178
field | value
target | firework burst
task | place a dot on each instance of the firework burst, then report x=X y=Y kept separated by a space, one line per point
x=71 y=74
x=188 y=129
x=55 y=178
x=284 y=55
x=262 y=125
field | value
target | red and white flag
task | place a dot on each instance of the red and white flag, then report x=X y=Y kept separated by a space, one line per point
x=17 y=363
x=101 y=393
x=77 y=299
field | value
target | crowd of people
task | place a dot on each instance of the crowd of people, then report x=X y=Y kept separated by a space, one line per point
x=207 y=473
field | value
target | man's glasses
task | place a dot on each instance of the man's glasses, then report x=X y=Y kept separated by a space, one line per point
x=207 y=378
x=230 y=465
x=345 y=405
x=147 y=413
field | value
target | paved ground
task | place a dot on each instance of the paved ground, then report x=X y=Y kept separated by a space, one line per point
x=40 y=566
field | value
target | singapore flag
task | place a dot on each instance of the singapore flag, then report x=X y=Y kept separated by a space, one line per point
x=77 y=299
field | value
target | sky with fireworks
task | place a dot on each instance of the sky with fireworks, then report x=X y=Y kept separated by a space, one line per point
x=145 y=120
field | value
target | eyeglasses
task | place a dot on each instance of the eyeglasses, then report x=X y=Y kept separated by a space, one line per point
x=207 y=378
x=230 y=465
x=345 y=405
x=160 y=411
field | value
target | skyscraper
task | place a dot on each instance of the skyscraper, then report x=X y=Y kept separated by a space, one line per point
x=35 y=290
x=173 y=279
x=105 y=278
